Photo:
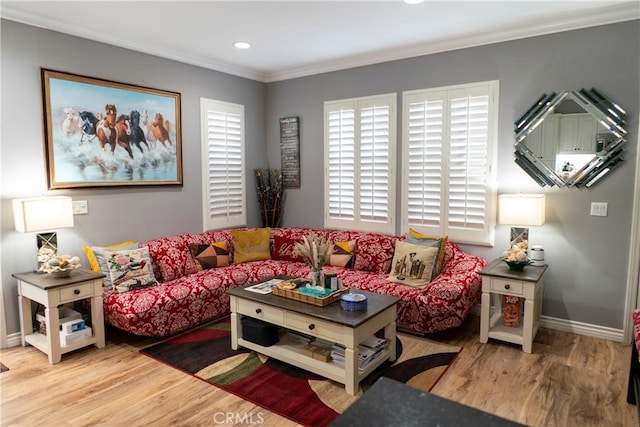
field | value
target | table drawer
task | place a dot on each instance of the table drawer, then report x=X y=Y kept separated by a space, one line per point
x=261 y=311
x=512 y=287
x=76 y=292
x=319 y=328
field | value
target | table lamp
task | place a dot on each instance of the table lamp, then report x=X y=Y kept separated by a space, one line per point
x=43 y=214
x=520 y=211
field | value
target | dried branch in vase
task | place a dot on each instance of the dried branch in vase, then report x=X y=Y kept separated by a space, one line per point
x=270 y=195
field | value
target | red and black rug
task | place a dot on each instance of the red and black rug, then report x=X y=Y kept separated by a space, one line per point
x=301 y=396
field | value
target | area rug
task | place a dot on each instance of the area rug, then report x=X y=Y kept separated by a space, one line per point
x=303 y=397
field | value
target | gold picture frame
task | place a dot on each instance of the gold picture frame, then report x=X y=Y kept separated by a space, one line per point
x=100 y=133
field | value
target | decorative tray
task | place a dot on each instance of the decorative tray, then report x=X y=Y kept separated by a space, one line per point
x=309 y=299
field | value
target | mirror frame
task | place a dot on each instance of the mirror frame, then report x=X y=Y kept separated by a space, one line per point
x=607 y=113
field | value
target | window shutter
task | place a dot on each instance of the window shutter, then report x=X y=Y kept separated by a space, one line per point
x=223 y=164
x=449 y=146
x=359 y=154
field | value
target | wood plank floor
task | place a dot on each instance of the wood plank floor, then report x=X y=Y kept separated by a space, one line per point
x=569 y=380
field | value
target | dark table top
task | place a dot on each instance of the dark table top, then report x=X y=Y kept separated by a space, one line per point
x=391 y=403
x=47 y=281
x=498 y=268
x=376 y=303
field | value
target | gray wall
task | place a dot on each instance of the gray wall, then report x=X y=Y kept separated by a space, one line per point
x=587 y=255
x=114 y=214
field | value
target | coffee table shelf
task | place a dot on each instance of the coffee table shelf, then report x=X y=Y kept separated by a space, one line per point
x=329 y=323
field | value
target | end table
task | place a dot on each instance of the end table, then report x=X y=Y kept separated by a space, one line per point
x=497 y=281
x=52 y=292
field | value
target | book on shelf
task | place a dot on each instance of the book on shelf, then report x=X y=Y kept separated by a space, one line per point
x=264 y=287
x=368 y=351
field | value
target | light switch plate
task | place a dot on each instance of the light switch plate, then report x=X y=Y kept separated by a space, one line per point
x=599 y=208
x=80 y=207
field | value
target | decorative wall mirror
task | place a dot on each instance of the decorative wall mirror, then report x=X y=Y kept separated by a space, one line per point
x=570 y=139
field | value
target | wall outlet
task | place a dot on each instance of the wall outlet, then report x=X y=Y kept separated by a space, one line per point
x=599 y=208
x=80 y=207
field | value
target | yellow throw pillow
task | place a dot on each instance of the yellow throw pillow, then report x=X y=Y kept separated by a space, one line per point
x=419 y=238
x=250 y=245
x=413 y=264
x=343 y=254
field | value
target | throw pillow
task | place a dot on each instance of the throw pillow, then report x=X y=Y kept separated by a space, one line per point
x=343 y=254
x=417 y=238
x=209 y=256
x=413 y=264
x=284 y=248
x=130 y=269
x=97 y=257
x=250 y=245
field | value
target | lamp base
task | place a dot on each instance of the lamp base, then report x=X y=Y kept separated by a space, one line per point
x=519 y=235
x=47 y=247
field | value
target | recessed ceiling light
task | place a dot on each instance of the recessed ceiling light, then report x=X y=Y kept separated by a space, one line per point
x=413 y=1
x=242 y=45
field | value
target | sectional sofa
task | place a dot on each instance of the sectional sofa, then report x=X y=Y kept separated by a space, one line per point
x=186 y=294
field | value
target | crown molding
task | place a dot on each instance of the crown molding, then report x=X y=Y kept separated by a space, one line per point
x=10 y=13
x=607 y=15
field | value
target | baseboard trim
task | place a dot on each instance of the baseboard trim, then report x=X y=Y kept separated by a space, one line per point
x=579 y=328
x=14 y=340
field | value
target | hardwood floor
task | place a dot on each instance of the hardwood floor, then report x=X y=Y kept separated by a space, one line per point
x=569 y=380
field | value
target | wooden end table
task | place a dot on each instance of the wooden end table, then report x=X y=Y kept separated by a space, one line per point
x=52 y=292
x=497 y=281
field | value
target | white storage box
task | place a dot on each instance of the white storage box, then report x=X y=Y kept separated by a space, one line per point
x=65 y=314
x=74 y=337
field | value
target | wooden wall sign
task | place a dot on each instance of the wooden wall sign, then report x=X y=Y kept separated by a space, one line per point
x=290 y=151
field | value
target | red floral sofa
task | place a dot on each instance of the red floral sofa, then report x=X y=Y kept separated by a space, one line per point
x=185 y=297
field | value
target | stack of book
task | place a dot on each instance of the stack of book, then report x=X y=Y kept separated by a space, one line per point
x=368 y=351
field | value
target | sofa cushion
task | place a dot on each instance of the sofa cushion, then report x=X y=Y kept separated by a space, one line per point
x=413 y=264
x=171 y=255
x=418 y=238
x=251 y=245
x=343 y=254
x=374 y=251
x=284 y=248
x=212 y=255
x=130 y=269
x=97 y=257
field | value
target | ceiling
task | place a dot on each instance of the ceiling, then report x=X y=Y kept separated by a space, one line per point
x=299 y=38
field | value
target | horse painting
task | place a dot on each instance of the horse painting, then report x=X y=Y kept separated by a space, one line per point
x=123 y=132
x=105 y=129
x=137 y=134
x=88 y=125
x=160 y=129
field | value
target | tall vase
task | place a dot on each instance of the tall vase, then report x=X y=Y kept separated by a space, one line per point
x=316 y=278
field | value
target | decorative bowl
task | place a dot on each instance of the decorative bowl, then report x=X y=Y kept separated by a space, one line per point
x=516 y=265
x=60 y=273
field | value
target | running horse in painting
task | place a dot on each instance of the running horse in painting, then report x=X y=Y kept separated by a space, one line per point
x=106 y=128
x=160 y=129
x=123 y=132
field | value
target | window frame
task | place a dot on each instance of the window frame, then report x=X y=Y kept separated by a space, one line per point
x=356 y=221
x=230 y=219
x=485 y=236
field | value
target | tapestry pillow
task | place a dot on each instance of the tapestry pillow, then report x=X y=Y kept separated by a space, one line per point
x=284 y=248
x=209 y=256
x=413 y=264
x=97 y=257
x=130 y=269
x=343 y=254
x=250 y=245
x=418 y=238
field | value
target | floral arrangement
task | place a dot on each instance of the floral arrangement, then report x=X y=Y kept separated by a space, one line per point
x=270 y=190
x=58 y=263
x=315 y=250
x=516 y=253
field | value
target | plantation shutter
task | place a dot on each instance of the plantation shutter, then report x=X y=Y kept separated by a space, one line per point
x=359 y=153
x=223 y=164
x=449 y=145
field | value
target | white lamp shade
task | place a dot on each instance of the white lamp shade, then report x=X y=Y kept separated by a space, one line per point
x=521 y=209
x=42 y=214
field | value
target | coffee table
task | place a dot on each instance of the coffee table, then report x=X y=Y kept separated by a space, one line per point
x=330 y=323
